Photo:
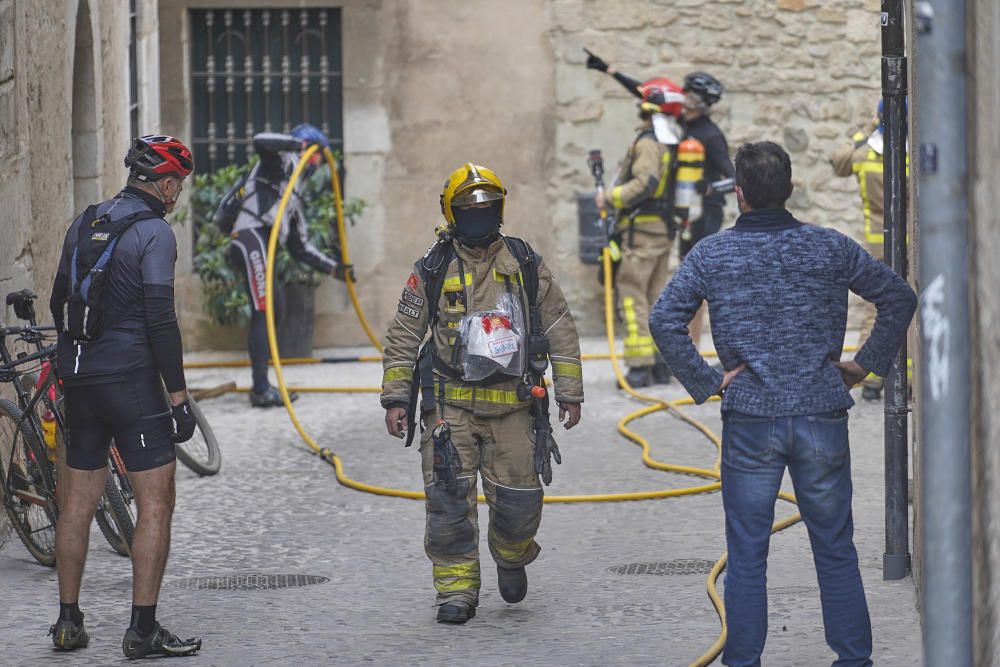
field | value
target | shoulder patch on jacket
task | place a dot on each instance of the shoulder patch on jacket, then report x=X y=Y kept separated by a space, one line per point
x=413 y=298
x=413 y=282
x=406 y=310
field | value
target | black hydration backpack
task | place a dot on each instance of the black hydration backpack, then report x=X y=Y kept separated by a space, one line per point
x=96 y=239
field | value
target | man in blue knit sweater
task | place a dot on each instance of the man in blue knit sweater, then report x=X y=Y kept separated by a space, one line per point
x=777 y=296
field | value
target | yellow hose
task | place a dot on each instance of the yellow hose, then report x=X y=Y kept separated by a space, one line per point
x=320 y=390
x=338 y=203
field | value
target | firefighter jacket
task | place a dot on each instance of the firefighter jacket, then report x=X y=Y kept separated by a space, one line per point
x=487 y=273
x=641 y=191
x=865 y=163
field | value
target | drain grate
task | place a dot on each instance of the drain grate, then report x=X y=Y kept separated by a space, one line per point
x=249 y=582
x=670 y=568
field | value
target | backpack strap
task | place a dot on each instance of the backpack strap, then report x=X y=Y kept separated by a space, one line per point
x=87 y=220
x=538 y=345
x=433 y=268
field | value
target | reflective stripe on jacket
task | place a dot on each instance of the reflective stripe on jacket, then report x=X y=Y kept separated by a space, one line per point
x=865 y=163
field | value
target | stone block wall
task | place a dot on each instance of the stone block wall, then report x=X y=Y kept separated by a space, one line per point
x=430 y=85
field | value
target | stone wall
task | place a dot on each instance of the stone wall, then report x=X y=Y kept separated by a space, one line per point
x=430 y=85
x=427 y=86
x=64 y=125
x=63 y=112
x=803 y=73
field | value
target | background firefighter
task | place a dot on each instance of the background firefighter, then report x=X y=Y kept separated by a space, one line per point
x=862 y=157
x=701 y=92
x=490 y=421
x=643 y=195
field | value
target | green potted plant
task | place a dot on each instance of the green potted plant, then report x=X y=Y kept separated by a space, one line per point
x=223 y=295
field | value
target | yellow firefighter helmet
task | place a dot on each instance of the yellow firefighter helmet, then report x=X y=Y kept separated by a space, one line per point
x=471 y=184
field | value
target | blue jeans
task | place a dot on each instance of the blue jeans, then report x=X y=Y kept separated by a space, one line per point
x=755 y=451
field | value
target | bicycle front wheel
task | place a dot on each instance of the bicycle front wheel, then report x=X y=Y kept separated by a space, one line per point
x=28 y=485
x=115 y=516
x=201 y=453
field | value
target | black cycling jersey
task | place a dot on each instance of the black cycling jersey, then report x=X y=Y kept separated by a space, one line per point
x=141 y=325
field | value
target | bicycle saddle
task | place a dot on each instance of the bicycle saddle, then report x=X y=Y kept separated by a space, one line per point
x=23 y=303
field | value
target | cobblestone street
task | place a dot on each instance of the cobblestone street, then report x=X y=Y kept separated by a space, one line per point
x=276 y=509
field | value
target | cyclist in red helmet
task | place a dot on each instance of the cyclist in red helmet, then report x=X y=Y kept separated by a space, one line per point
x=119 y=345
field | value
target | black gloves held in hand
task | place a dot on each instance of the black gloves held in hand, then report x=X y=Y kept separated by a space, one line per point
x=595 y=62
x=184 y=422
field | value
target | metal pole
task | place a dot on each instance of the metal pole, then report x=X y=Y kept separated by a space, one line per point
x=896 y=559
x=945 y=375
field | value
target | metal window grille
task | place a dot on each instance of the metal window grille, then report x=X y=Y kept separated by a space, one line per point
x=133 y=67
x=255 y=70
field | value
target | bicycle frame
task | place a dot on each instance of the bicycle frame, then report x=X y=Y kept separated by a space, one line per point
x=9 y=373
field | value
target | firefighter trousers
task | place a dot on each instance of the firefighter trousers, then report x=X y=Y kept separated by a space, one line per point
x=641 y=277
x=501 y=450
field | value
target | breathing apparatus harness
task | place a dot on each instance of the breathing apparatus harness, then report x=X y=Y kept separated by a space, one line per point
x=433 y=268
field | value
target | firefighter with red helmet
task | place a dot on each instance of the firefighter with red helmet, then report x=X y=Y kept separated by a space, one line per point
x=642 y=195
x=701 y=92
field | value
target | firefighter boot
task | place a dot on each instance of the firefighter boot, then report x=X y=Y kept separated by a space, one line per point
x=456 y=612
x=661 y=372
x=871 y=388
x=513 y=584
x=871 y=393
x=638 y=377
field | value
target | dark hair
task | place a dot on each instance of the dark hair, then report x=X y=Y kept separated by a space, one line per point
x=764 y=173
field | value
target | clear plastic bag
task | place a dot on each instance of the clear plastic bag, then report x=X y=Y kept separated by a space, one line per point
x=492 y=341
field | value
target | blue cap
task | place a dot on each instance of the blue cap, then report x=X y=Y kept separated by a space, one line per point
x=310 y=134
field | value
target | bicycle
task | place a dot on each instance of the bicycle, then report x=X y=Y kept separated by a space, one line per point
x=27 y=473
x=115 y=514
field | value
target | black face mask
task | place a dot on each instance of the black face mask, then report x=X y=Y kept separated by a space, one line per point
x=477 y=227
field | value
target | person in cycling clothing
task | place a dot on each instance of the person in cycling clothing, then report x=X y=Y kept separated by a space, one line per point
x=279 y=155
x=114 y=389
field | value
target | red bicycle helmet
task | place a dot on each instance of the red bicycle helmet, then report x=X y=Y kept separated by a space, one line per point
x=661 y=95
x=155 y=156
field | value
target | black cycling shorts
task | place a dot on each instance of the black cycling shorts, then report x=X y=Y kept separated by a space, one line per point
x=134 y=412
x=709 y=223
